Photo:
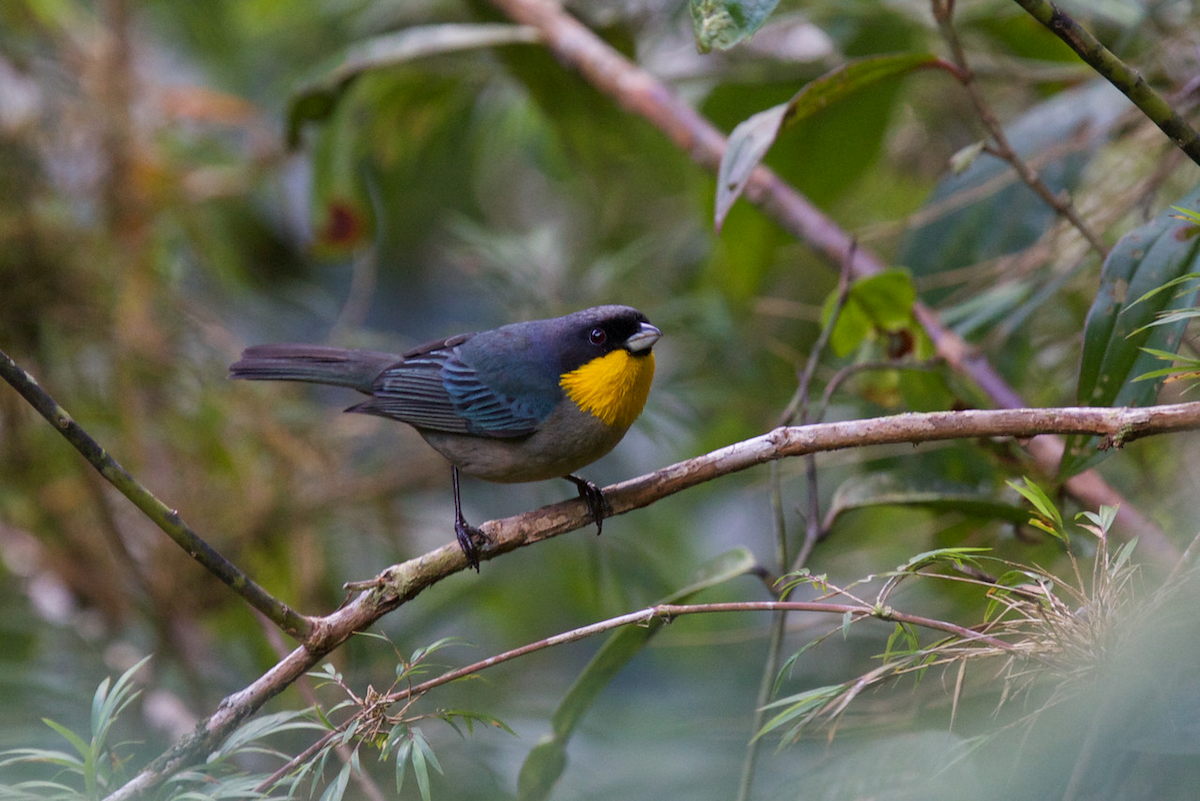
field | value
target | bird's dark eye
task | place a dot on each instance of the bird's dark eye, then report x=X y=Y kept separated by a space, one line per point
x=597 y=336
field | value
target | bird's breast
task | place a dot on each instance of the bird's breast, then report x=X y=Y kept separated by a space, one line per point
x=613 y=387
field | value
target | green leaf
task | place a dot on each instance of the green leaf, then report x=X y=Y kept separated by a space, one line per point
x=422 y=758
x=421 y=771
x=753 y=137
x=958 y=557
x=1181 y=366
x=421 y=653
x=1100 y=522
x=545 y=763
x=1187 y=215
x=902 y=642
x=471 y=718
x=349 y=732
x=77 y=742
x=1182 y=280
x=541 y=769
x=1123 y=555
x=1038 y=497
x=265 y=726
x=1051 y=519
x=920 y=491
x=875 y=306
x=86 y=750
x=404 y=751
x=17 y=756
x=724 y=23
x=337 y=788
x=40 y=791
x=800 y=706
x=427 y=751
x=1157 y=254
x=316 y=98
x=107 y=704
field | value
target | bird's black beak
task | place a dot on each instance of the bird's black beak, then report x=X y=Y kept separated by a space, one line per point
x=643 y=340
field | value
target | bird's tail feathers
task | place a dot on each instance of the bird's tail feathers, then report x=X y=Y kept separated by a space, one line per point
x=315 y=364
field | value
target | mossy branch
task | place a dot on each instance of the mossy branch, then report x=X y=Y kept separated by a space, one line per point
x=1118 y=73
x=166 y=518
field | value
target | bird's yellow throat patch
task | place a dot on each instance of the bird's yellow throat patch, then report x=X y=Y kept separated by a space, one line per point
x=613 y=387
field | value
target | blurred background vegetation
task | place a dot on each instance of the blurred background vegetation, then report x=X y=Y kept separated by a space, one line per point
x=153 y=221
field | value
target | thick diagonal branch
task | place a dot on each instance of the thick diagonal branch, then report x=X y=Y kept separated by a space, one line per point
x=401 y=583
x=640 y=93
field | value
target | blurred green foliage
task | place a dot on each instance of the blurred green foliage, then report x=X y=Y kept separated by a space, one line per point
x=153 y=222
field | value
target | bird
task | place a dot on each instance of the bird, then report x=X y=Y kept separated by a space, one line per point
x=528 y=401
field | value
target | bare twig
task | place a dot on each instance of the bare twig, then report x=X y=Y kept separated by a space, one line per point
x=1000 y=147
x=643 y=617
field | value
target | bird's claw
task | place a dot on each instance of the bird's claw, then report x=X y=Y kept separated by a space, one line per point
x=470 y=539
x=592 y=495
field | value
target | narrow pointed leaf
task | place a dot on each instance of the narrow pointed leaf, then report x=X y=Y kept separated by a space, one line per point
x=1117 y=329
x=77 y=742
x=924 y=492
x=337 y=788
x=752 y=138
x=420 y=764
x=1040 y=500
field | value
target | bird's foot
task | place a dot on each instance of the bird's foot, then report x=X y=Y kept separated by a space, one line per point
x=470 y=539
x=594 y=498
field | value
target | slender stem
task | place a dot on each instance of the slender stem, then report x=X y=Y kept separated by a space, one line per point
x=1000 y=147
x=167 y=519
x=668 y=612
x=765 y=688
x=642 y=617
x=797 y=407
x=1118 y=73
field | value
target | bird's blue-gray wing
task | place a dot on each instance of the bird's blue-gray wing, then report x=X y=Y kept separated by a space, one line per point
x=435 y=390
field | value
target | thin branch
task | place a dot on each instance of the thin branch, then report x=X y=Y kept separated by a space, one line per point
x=943 y=13
x=640 y=93
x=167 y=519
x=643 y=617
x=667 y=612
x=1118 y=73
x=797 y=407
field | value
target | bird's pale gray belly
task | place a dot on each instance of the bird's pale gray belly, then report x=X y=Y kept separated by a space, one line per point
x=567 y=440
